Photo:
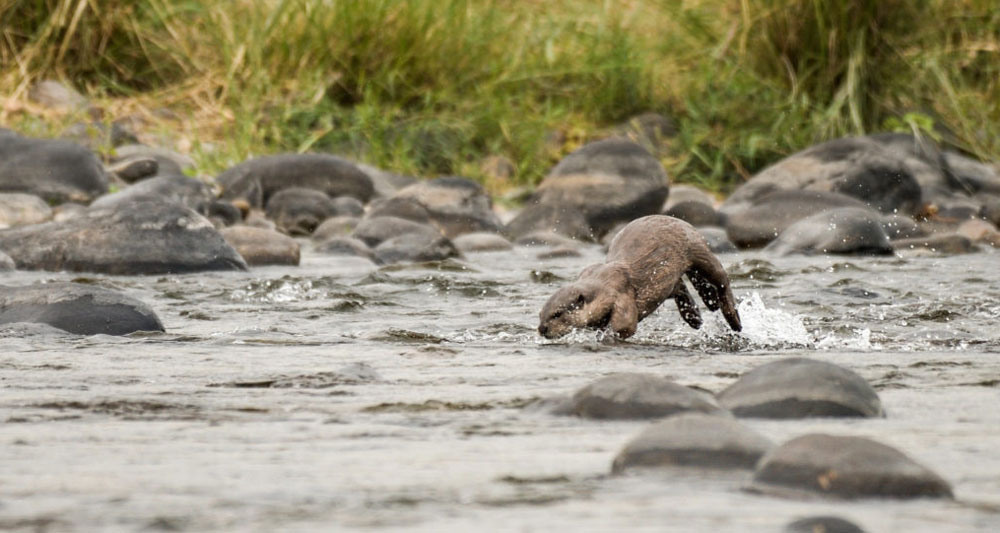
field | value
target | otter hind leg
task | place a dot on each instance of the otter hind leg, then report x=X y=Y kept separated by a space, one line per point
x=712 y=283
x=686 y=305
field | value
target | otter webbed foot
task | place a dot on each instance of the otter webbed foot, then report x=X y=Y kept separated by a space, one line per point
x=686 y=305
x=712 y=284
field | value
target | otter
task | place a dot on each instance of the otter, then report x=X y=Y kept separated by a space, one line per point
x=643 y=268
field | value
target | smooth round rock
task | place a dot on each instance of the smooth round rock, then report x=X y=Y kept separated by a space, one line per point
x=455 y=205
x=717 y=239
x=941 y=243
x=345 y=246
x=867 y=169
x=258 y=179
x=694 y=440
x=168 y=162
x=259 y=246
x=77 y=308
x=481 y=242
x=761 y=221
x=682 y=192
x=19 y=209
x=844 y=467
x=141 y=238
x=900 y=227
x=414 y=248
x=801 y=388
x=190 y=192
x=55 y=95
x=56 y=171
x=822 y=524
x=374 y=230
x=134 y=169
x=633 y=395
x=695 y=213
x=400 y=207
x=844 y=231
x=299 y=211
x=340 y=226
x=604 y=183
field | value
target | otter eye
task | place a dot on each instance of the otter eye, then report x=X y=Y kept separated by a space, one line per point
x=557 y=314
x=580 y=300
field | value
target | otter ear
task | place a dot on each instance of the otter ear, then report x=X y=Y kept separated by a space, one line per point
x=624 y=316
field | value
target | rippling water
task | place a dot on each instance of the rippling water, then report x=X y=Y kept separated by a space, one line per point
x=341 y=395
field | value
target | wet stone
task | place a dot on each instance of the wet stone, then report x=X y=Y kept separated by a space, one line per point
x=335 y=227
x=482 y=242
x=844 y=231
x=946 y=244
x=823 y=524
x=632 y=396
x=345 y=246
x=844 y=467
x=701 y=440
x=259 y=246
x=6 y=263
x=717 y=240
x=801 y=388
x=57 y=171
x=77 y=308
x=695 y=213
x=135 y=238
x=256 y=180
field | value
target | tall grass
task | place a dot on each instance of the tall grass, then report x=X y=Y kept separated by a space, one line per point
x=434 y=86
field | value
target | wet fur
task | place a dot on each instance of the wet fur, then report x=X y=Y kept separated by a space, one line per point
x=643 y=268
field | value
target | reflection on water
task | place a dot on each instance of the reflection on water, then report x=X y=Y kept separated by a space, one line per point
x=338 y=394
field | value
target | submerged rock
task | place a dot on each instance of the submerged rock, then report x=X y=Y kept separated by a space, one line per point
x=844 y=467
x=56 y=171
x=258 y=179
x=694 y=440
x=801 y=388
x=846 y=230
x=141 y=238
x=593 y=189
x=259 y=246
x=77 y=308
x=631 y=395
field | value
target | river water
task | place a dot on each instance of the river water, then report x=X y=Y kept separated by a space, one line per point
x=339 y=395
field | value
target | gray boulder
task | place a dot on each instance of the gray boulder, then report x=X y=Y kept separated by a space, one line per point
x=860 y=167
x=632 y=395
x=455 y=205
x=77 y=308
x=844 y=467
x=259 y=246
x=694 y=440
x=141 y=238
x=56 y=171
x=767 y=216
x=846 y=230
x=718 y=241
x=397 y=240
x=801 y=388
x=189 y=192
x=6 y=263
x=19 y=209
x=605 y=182
x=682 y=192
x=258 y=179
x=695 y=213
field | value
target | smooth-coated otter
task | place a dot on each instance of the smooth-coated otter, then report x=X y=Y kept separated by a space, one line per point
x=643 y=268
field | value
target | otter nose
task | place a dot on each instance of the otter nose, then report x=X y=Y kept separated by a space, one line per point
x=543 y=329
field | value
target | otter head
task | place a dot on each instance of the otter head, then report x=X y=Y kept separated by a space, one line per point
x=589 y=303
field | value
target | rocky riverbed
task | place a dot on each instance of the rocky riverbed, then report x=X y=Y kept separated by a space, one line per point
x=304 y=342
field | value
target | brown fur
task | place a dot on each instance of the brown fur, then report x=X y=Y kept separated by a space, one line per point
x=643 y=268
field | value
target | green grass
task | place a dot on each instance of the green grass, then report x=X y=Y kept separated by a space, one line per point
x=433 y=87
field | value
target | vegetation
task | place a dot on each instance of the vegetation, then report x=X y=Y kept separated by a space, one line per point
x=432 y=87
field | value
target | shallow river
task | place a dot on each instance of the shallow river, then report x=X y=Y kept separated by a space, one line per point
x=338 y=395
